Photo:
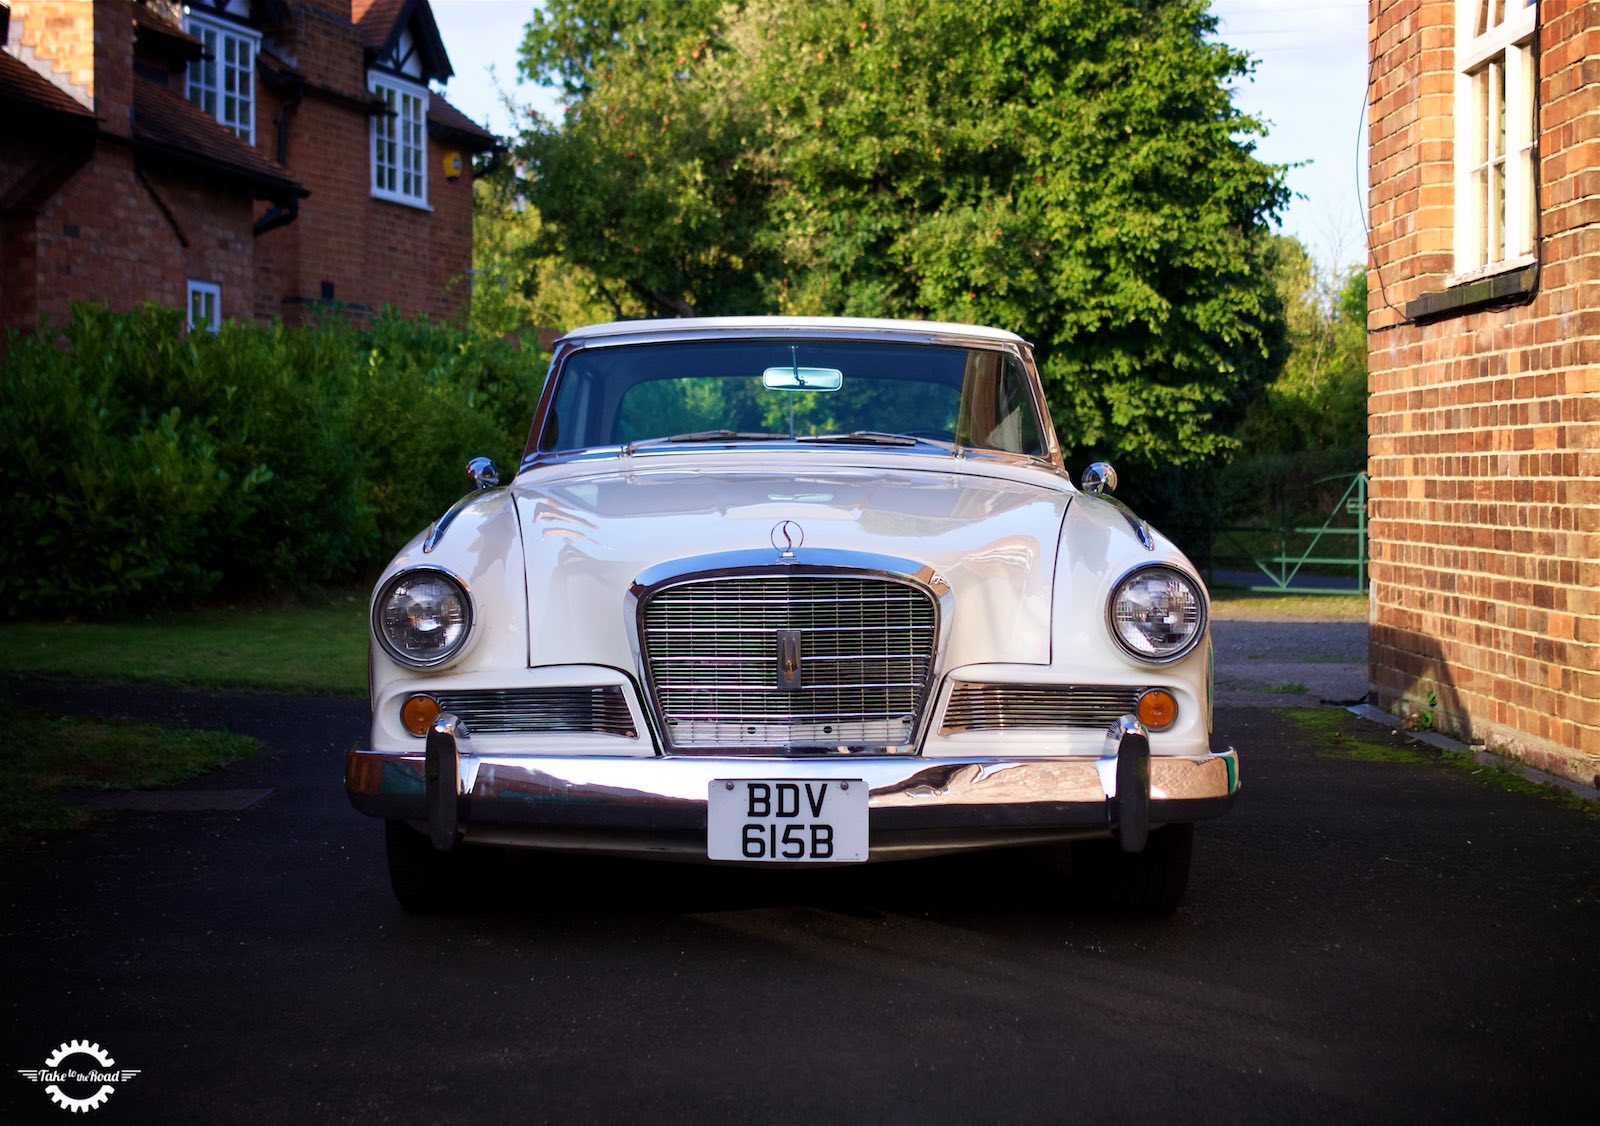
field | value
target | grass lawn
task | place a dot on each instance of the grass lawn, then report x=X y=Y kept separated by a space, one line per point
x=1232 y=605
x=313 y=647
x=90 y=754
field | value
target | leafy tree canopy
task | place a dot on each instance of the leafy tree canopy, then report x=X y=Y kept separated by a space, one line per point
x=1074 y=170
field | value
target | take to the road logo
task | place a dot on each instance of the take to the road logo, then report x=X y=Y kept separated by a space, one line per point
x=78 y=1076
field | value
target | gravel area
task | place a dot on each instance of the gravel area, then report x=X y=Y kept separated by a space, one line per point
x=1289 y=664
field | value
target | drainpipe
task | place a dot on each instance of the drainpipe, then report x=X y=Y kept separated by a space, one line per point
x=285 y=209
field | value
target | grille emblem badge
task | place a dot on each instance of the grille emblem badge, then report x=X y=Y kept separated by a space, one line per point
x=789 y=659
x=787 y=537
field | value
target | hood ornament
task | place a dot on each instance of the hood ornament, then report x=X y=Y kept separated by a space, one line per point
x=787 y=537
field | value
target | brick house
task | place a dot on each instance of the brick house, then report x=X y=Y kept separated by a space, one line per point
x=1485 y=371
x=242 y=159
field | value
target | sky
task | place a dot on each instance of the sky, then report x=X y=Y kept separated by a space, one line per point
x=1309 y=86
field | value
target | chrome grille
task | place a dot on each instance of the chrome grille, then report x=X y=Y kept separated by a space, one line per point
x=601 y=710
x=995 y=707
x=712 y=652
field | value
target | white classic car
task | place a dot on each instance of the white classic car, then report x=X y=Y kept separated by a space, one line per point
x=791 y=591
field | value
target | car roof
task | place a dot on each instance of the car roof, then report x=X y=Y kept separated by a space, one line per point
x=722 y=326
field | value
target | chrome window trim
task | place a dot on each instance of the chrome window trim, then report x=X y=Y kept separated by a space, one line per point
x=764 y=564
x=1200 y=630
x=382 y=590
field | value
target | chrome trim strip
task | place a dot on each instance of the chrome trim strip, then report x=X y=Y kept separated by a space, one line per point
x=727 y=564
x=442 y=525
x=1140 y=526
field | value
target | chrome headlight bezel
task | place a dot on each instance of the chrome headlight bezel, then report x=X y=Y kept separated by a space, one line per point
x=381 y=603
x=1202 y=613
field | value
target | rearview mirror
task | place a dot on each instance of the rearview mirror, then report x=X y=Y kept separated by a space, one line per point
x=802 y=379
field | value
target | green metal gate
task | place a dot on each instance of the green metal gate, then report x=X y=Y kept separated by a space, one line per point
x=1279 y=555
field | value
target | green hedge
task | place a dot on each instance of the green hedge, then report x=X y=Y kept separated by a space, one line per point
x=148 y=467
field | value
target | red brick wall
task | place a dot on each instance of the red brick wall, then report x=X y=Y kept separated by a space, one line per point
x=1485 y=426
x=105 y=237
x=374 y=252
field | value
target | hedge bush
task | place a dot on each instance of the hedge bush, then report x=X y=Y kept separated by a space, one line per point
x=148 y=467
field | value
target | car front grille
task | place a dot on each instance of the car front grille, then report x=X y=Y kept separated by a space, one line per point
x=600 y=710
x=716 y=651
x=998 y=707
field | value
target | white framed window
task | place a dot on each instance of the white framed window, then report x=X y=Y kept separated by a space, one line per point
x=400 y=141
x=1496 y=134
x=223 y=83
x=205 y=306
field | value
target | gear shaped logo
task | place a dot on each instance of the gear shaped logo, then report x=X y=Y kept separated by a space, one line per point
x=78 y=1076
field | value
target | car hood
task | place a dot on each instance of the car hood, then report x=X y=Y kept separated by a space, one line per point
x=589 y=533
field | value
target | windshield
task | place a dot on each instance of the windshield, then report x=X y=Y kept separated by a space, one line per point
x=807 y=390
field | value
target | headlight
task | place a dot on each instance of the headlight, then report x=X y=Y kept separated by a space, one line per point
x=422 y=617
x=1157 y=613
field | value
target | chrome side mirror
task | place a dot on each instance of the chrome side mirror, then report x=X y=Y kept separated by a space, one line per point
x=482 y=473
x=1099 y=478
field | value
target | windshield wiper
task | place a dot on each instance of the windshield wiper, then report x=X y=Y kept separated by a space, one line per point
x=708 y=436
x=876 y=438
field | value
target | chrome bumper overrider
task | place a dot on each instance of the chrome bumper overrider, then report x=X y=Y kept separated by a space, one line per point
x=658 y=805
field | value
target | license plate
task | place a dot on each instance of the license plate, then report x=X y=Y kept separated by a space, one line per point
x=787 y=821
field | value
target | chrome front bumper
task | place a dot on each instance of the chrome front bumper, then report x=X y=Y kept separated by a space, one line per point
x=657 y=806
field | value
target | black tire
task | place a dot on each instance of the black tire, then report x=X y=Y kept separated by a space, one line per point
x=427 y=881
x=1150 y=883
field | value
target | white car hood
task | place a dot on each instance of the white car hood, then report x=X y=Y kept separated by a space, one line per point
x=590 y=530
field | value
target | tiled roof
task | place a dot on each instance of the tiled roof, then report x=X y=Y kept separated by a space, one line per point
x=376 y=19
x=379 y=23
x=446 y=116
x=24 y=88
x=169 y=123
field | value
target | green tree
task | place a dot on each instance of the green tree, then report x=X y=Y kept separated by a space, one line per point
x=1317 y=403
x=1073 y=170
x=518 y=289
x=647 y=182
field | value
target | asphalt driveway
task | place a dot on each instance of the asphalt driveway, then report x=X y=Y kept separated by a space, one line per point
x=1364 y=940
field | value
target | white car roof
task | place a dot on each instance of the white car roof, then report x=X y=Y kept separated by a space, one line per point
x=686 y=326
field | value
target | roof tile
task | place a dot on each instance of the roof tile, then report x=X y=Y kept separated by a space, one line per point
x=22 y=86
x=170 y=122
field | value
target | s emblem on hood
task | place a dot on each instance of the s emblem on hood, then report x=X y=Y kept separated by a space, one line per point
x=787 y=537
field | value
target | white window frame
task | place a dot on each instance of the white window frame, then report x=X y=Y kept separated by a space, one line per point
x=203 y=294
x=399 y=141
x=1496 y=118
x=223 y=84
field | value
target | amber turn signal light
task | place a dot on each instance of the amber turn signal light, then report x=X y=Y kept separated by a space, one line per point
x=1157 y=708
x=418 y=714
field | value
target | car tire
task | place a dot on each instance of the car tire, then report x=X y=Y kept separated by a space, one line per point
x=1151 y=882
x=427 y=881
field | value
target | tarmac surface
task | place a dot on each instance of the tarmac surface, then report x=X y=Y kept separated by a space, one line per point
x=1365 y=938
x=1289 y=664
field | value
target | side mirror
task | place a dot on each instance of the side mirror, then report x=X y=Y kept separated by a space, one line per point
x=1099 y=478
x=482 y=473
